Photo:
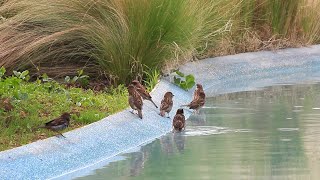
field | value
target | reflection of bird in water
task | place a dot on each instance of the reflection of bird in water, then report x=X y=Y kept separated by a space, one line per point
x=197 y=120
x=179 y=140
x=138 y=161
x=166 y=144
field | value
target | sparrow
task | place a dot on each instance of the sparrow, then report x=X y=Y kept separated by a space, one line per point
x=198 y=100
x=198 y=90
x=5 y=103
x=143 y=92
x=59 y=123
x=135 y=100
x=166 y=104
x=179 y=121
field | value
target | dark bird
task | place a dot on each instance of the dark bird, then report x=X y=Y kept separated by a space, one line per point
x=6 y=105
x=143 y=92
x=166 y=104
x=135 y=100
x=179 y=121
x=58 y=124
x=199 y=99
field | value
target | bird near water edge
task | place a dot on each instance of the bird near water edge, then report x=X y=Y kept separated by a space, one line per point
x=143 y=91
x=135 y=100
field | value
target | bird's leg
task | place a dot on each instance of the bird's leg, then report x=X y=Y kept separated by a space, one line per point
x=173 y=130
x=168 y=116
x=60 y=134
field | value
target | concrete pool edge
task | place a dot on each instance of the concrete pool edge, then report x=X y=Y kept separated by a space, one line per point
x=84 y=147
x=87 y=146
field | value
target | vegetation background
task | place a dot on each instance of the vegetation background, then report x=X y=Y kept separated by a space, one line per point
x=123 y=39
x=118 y=40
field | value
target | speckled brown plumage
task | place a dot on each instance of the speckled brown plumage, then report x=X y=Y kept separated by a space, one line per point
x=135 y=100
x=199 y=98
x=143 y=92
x=166 y=104
x=179 y=121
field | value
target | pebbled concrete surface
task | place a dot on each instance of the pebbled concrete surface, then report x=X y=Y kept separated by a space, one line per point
x=249 y=71
x=85 y=148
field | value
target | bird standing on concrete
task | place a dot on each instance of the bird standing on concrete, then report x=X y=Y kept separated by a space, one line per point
x=199 y=99
x=143 y=92
x=166 y=104
x=135 y=100
x=59 y=123
x=179 y=121
x=198 y=90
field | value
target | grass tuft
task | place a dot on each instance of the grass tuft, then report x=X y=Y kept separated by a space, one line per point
x=117 y=38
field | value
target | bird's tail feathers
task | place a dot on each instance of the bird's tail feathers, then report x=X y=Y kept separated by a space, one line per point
x=154 y=103
x=185 y=105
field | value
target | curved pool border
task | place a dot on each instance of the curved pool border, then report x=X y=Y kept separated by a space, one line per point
x=91 y=146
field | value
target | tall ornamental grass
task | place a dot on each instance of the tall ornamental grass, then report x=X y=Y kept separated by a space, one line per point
x=122 y=39
x=269 y=24
x=117 y=38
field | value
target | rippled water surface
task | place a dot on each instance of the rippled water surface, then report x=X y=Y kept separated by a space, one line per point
x=273 y=133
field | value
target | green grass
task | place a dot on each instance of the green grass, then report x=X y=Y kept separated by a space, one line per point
x=38 y=102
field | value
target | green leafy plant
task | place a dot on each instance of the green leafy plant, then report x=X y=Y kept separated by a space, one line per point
x=151 y=77
x=24 y=75
x=185 y=82
x=46 y=78
x=80 y=78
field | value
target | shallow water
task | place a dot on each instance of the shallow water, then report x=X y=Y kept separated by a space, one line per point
x=273 y=133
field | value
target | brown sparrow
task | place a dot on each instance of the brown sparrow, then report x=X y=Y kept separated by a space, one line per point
x=179 y=121
x=59 y=123
x=166 y=104
x=198 y=90
x=199 y=99
x=135 y=100
x=143 y=92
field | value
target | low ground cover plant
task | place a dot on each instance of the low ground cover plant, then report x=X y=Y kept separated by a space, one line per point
x=36 y=102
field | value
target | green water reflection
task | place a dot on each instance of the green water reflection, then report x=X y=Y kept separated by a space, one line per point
x=267 y=134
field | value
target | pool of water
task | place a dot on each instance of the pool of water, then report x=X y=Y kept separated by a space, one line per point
x=272 y=133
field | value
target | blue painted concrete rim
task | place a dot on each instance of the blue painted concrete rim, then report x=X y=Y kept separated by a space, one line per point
x=84 y=148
